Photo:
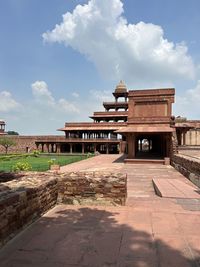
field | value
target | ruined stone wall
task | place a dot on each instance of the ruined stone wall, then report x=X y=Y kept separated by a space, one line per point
x=29 y=195
x=23 y=200
x=188 y=166
x=26 y=143
x=92 y=187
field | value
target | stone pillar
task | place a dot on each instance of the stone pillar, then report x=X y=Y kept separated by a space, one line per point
x=47 y=145
x=42 y=147
x=95 y=148
x=107 y=149
x=184 y=138
x=83 y=148
x=131 y=146
x=71 y=149
x=58 y=148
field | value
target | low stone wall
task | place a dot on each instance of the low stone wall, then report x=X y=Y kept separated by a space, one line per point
x=92 y=188
x=24 y=199
x=188 y=166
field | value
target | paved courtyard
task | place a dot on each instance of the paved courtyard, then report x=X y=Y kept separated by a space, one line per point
x=149 y=231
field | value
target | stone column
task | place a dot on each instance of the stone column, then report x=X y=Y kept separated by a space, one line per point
x=47 y=145
x=184 y=138
x=58 y=148
x=42 y=147
x=83 y=148
x=71 y=149
x=107 y=149
x=131 y=146
x=95 y=148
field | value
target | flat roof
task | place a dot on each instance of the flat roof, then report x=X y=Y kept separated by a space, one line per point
x=145 y=129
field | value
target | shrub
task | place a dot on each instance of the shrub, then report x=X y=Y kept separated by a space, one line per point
x=51 y=161
x=36 y=153
x=22 y=166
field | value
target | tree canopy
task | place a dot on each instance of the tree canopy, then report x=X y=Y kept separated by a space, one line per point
x=6 y=143
x=12 y=133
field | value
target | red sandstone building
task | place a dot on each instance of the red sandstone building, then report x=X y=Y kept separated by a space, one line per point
x=137 y=122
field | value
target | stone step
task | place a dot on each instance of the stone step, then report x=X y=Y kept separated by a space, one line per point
x=174 y=188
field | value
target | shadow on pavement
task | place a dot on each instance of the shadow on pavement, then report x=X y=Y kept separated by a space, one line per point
x=94 y=237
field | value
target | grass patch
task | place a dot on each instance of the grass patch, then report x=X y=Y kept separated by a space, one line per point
x=39 y=163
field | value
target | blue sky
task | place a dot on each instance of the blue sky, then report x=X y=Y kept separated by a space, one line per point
x=50 y=75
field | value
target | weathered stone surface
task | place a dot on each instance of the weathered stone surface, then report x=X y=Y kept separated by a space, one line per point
x=97 y=186
x=24 y=199
x=188 y=166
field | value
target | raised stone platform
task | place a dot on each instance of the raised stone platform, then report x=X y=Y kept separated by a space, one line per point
x=145 y=161
x=174 y=188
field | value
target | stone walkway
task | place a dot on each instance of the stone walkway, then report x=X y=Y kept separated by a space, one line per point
x=149 y=231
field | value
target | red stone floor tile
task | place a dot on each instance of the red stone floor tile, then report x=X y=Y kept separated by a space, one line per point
x=165 y=223
x=173 y=251
x=148 y=232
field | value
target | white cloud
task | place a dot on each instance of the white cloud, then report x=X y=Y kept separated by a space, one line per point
x=7 y=102
x=119 y=50
x=188 y=103
x=194 y=94
x=44 y=96
x=41 y=92
x=101 y=96
x=75 y=94
x=42 y=114
x=67 y=106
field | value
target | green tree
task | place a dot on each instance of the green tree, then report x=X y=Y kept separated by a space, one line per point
x=12 y=133
x=6 y=143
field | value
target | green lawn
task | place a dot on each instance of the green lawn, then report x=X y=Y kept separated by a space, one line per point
x=39 y=163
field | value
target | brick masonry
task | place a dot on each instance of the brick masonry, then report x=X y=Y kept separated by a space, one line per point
x=188 y=166
x=26 y=198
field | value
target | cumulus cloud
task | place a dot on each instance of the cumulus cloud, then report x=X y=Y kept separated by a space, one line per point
x=120 y=50
x=41 y=92
x=7 y=102
x=44 y=96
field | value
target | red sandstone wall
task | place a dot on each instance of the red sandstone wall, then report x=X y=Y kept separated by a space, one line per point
x=25 y=142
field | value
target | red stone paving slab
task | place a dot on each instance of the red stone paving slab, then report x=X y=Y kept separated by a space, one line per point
x=174 y=188
x=148 y=232
x=97 y=236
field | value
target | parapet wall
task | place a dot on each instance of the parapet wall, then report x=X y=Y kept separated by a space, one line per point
x=26 y=198
x=188 y=166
